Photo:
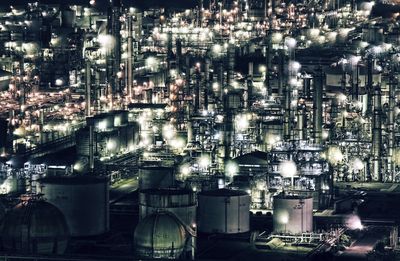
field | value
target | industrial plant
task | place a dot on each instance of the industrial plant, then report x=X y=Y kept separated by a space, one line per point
x=199 y=130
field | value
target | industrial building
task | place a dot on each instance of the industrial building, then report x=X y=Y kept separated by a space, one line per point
x=203 y=130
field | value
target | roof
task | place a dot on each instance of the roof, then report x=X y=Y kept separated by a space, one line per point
x=252 y=158
x=223 y=193
x=166 y=191
x=73 y=180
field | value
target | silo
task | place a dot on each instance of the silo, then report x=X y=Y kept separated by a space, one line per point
x=35 y=227
x=181 y=202
x=292 y=214
x=155 y=177
x=223 y=211
x=82 y=199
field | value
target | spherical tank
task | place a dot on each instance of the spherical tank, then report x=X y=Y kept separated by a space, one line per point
x=35 y=227
x=223 y=211
x=181 y=202
x=82 y=199
x=292 y=214
x=160 y=235
x=155 y=177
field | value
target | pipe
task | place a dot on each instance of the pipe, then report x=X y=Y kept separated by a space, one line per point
x=317 y=106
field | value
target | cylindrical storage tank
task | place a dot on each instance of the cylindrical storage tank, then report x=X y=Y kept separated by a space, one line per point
x=82 y=199
x=159 y=235
x=223 y=211
x=181 y=202
x=68 y=18
x=155 y=177
x=35 y=227
x=293 y=214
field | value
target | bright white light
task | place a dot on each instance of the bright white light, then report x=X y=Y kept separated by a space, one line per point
x=204 y=161
x=288 y=169
x=241 y=122
x=106 y=41
x=231 y=168
x=290 y=42
x=111 y=145
x=357 y=164
x=353 y=222
x=168 y=131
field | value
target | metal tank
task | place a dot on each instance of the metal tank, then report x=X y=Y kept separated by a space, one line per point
x=292 y=214
x=160 y=235
x=82 y=199
x=155 y=177
x=35 y=227
x=181 y=202
x=223 y=211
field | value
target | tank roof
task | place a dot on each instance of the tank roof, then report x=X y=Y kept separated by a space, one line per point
x=223 y=193
x=73 y=180
x=159 y=235
x=291 y=196
x=166 y=191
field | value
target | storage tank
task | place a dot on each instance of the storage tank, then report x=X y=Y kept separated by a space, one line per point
x=35 y=227
x=155 y=177
x=223 y=211
x=292 y=214
x=181 y=202
x=68 y=18
x=160 y=235
x=82 y=199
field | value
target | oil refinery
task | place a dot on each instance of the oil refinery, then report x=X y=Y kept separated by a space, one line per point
x=199 y=130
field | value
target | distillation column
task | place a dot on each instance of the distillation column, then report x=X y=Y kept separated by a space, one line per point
x=88 y=88
x=130 y=69
x=377 y=136
x=317 y=106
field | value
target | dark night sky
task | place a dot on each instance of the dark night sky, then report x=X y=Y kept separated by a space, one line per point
x=104 y=3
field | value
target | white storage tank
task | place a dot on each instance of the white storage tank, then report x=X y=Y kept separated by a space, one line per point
x=155 y=177
x=223 y=211
x=82 y=199
x=181 y=202
x=292 y=214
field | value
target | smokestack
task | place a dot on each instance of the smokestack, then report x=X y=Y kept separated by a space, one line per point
x=301 y=121
x=197 y=90
x=207 y=79
x=130 y=69
x=179 y=54
x=370 y=65
x=317 y=106
x=231 y=64
x=41 y=124
x=307 y=86
x=281 y=72
x=114 y=59
x=377 y=136
x=187 y=61
x=392 y=88
x=90 y=123
x=3 y=136
x=88 y=88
